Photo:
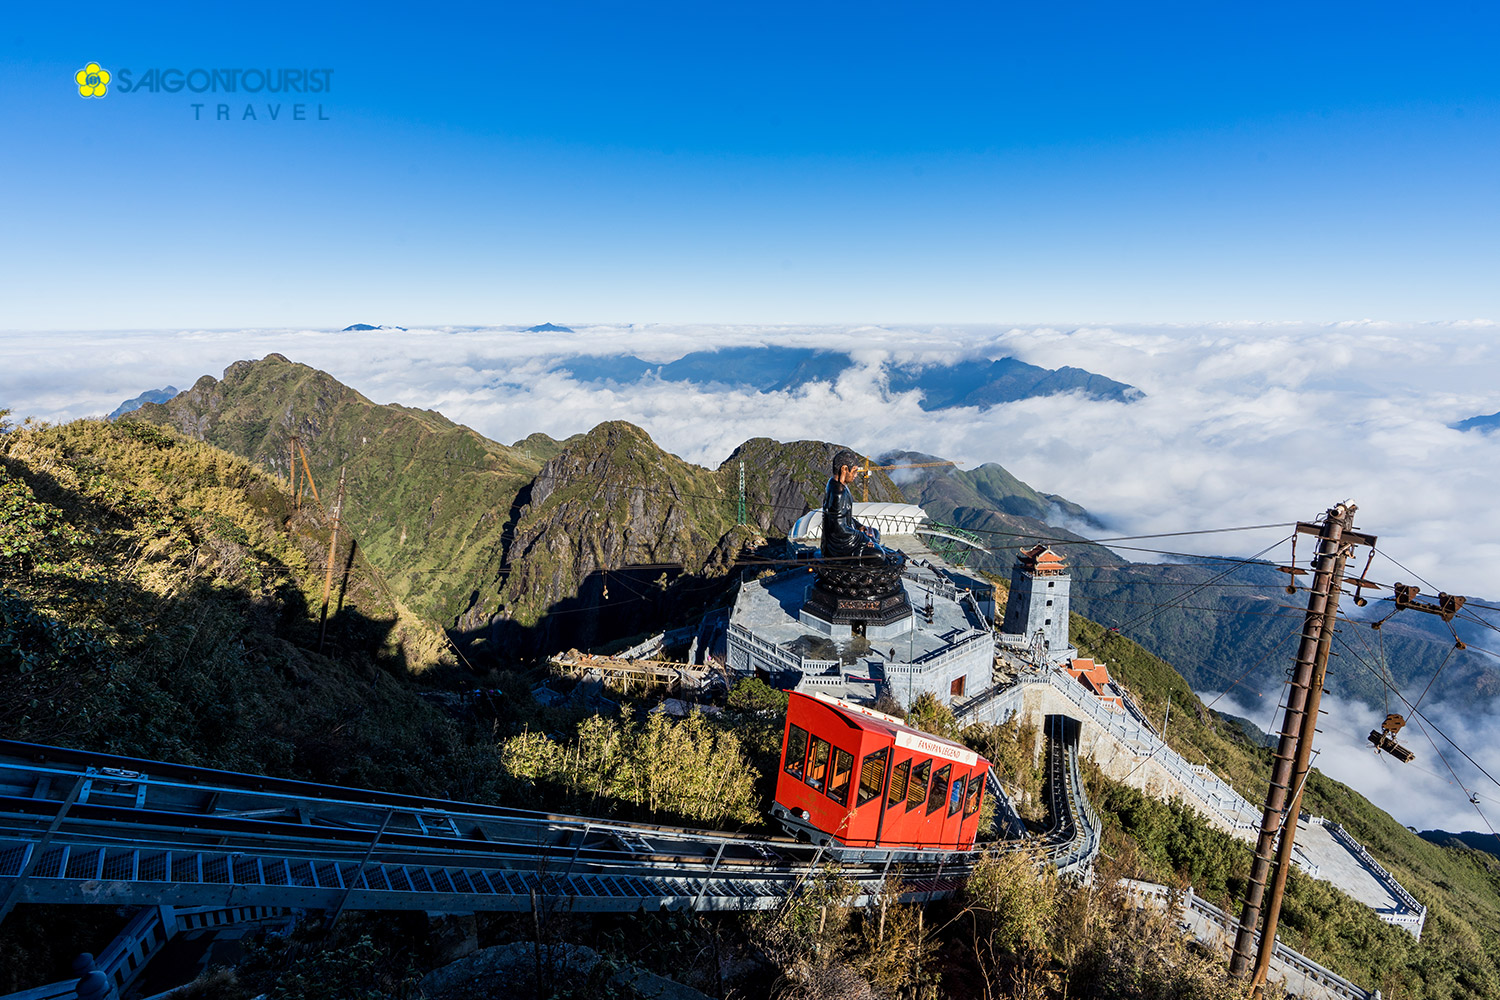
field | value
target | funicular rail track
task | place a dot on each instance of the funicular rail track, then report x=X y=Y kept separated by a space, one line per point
x=83 y=827
x=1072 y=836
x=192 y=844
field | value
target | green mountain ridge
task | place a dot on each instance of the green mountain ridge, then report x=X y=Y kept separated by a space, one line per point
x=427 y=497
x=488 y=540
x=1219 y=624
x=440 y=509
x=942 y=492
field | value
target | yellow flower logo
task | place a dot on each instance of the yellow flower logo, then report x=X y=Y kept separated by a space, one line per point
x=93 y=80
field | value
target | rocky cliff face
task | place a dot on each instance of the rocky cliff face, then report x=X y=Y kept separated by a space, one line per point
x=610 y=500
x=784 y=481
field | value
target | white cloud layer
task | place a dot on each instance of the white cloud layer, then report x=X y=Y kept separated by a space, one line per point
x=1242 y=423
x=1423 y=794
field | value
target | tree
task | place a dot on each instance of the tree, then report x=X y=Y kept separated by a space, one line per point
x=754 y=695
x=931 y=716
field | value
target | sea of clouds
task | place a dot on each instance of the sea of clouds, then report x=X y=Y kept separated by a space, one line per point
x=1425 y=793
x=1241 y=424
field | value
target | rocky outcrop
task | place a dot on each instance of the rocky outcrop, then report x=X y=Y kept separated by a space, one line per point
x=785 y=480
x=611 y=500
x=508 y=970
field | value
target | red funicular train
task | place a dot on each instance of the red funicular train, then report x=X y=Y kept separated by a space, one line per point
x=860 y=780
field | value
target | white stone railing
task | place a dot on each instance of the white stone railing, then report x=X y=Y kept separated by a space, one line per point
x=947 y=654
x=1218 y=794
x=1416 y=916
x=970 y=603
x=986 y=705
x=931 y=580
x=1311 y=974
x=768 y=649
x=655 y=643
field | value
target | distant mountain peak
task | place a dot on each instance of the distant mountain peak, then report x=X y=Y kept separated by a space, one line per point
x=358 y=327
x=149 y=396
x=547 y=328
x=1486 y=424
x=771 y=368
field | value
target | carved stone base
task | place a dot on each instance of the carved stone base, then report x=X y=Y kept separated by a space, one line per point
x=867 y=594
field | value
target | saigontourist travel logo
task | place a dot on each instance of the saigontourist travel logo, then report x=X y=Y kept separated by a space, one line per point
x=92 y=80
x=239 y=94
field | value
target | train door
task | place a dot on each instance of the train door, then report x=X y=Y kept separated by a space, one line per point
x=973 y=802
x=913 y=814
x=870 y=791
x=953 y=810
x=893 y=808
x=934 y=810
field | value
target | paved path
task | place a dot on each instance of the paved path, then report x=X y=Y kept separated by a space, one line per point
x=1337 y=864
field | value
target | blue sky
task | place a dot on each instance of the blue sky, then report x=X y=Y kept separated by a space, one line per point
x=757 y=163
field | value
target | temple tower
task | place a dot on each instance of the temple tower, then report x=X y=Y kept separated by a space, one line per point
x=1036 y=613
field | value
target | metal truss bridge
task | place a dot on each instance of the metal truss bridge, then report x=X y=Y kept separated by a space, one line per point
x=954 y=544
x=83 y=827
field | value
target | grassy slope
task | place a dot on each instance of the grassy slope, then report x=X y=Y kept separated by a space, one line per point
x=161 y=597
x=1459 y=955
x=428 y=497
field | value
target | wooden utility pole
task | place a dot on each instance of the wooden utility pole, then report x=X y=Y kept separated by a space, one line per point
x=1289 y=769
x=291 y=468
x=307 y=476
x=333 y=543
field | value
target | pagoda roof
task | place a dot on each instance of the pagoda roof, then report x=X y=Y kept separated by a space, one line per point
x=1040 y=558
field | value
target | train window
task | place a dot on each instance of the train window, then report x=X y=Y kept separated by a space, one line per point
x=796 y=750
x=872 y=775
x=955 y=796
x=939 y=789
x=843 y=767
x=971 y=803
x=917 y=790
x=817 y=764
x=898 y=783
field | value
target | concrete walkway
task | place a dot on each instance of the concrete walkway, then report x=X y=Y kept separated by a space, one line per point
x=1334 y=862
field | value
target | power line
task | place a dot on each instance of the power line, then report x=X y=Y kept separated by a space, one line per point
x=561 y=481
x=1415 y=713
x=1090 y=601
x=1275 y=648
x=1420 y=719
x=1147 y=617
x=1402 y=566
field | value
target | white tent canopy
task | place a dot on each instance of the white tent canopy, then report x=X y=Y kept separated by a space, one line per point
x=887 y=518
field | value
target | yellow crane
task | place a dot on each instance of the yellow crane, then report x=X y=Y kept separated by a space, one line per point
x=865 y=472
